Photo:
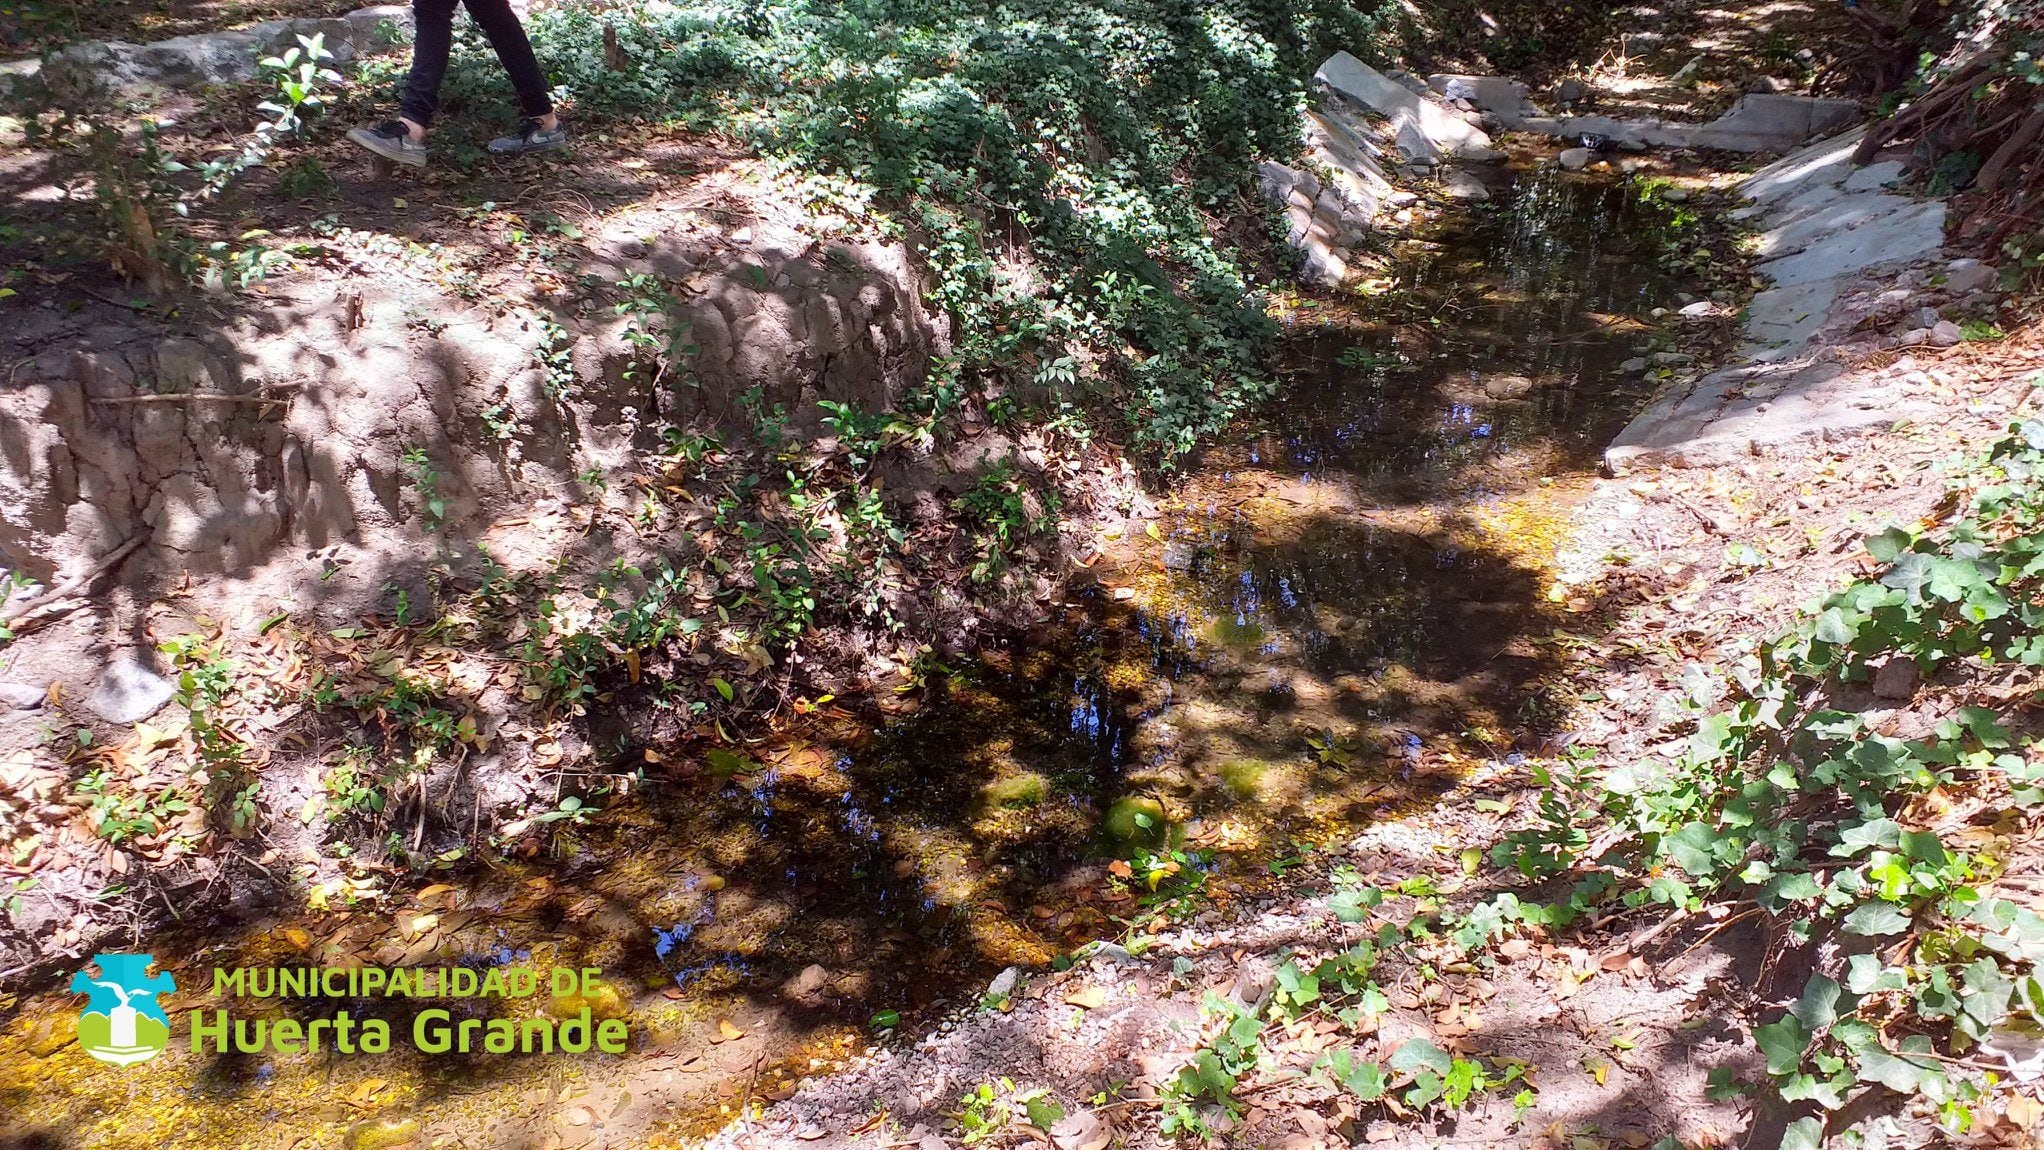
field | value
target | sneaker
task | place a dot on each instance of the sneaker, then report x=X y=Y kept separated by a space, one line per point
x=391 y=141
x=530 y=138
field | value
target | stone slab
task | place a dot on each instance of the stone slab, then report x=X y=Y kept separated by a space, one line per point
x=1913 y=233
x=1828 y=161
x=1445 y=132
x=1499 y=94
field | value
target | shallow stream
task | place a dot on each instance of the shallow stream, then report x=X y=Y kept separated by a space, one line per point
x=1338 y=610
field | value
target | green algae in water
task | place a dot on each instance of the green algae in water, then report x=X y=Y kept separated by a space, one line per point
x=1016 y=791
x=1238 y=632
x=1137 y=819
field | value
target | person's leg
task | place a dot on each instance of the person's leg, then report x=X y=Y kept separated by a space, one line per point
x=514 y=50
x=403 y=140
x=432 y=42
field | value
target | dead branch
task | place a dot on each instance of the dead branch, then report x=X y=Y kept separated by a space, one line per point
x=75 y=584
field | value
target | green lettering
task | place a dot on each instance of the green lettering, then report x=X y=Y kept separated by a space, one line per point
x=575 y=1032
x=217 y=1031
x=430 y=1032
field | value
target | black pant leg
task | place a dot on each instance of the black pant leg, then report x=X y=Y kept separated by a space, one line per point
x=432 y=40
x=506 y=35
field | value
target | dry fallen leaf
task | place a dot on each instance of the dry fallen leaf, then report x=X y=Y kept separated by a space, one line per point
x=1088 y=997
x=727 y=1032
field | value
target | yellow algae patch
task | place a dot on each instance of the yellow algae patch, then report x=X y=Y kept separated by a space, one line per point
x=604 y=1002
x=1265 y=783
x=383 y=1133
x=1126 y=676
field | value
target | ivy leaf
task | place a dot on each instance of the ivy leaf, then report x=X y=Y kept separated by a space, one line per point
x=1987 y=992
x=1856 y=837
x=1796 y=886
x=1910 y=575
x=1889 y=544
x=1838 y=628
x=1803 y=1134
x=1783 y=1042
x=1364 y=1079
x=1694 y=848
x=1044 y=1113
x=1876 y=919
x=1818 y=1007
x=1877 y=1065
x=1865 y=974
x=1418 y=1054
x=1349 y=906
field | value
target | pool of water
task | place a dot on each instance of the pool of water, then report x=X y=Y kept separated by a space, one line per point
x=1338 y=610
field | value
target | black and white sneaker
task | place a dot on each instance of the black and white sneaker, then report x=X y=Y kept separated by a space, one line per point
x=391 y=141
x=530 y=138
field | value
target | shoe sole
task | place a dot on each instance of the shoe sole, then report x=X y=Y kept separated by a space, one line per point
x=382 y=147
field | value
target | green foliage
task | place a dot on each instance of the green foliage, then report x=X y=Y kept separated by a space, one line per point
x=353 y=785
x=1008 y=513
x=1804 y=810
x=1211 y=1077
x=556 y=362
x=144 y=193
x=426 y=481
x=1096 y=139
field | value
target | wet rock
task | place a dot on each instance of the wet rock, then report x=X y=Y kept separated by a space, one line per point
x=129 y=690
x=1912 y=337
x=811 y=988
x=1575 y=159
x=1416 y=145
x=1499 y=94
x=1675 y=195
x=1946 y=334
x=1897 y=679
x=1461 y=185
x=382 y=1134
x=1633 y=366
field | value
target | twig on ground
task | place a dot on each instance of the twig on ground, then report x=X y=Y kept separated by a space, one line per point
x=75 y=584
